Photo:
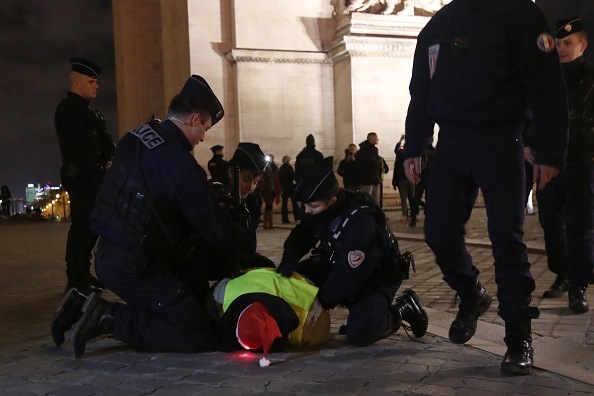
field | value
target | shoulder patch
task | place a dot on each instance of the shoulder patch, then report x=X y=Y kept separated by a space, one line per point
x=148 y=136
x=545 y=42
x=356 y=257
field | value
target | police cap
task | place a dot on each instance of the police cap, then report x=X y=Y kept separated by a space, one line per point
x=198 y=88
x=318 y=183
x=85 y=66
x=567 y=26
x=216 y=148
x=249 y=156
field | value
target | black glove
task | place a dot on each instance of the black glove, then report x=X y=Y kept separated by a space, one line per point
x=287 y=266
x=241 y=215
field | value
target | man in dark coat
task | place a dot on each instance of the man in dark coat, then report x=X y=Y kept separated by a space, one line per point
x=307 y=159
x=86 y=149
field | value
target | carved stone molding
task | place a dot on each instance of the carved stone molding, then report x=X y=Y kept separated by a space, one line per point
x=269 y=56
x=378 y=47
x=380 y=25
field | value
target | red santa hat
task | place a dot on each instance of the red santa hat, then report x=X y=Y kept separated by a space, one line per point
x=257 y=328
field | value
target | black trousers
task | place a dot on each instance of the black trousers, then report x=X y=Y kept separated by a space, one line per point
x=566 y=215
x=285 y=209
x=491 y=159
x=160 y=313
x=81 y=239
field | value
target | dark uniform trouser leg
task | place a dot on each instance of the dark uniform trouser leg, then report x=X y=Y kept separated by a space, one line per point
x=493 y=161
x=161 y=313
x=580 y=224
x=551 y=215
x=81 y=239
x=370 y=318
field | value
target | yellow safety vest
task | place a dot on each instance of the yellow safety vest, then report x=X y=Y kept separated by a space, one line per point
x=297 y=291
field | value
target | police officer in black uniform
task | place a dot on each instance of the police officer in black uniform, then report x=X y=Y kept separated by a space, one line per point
x=478 y=67
x=566 y=204
x=248 y=163
x=357 y=262
x=86 y=149
x=217 y=166
x=154 y=206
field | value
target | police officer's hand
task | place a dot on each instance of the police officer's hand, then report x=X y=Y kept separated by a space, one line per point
x=241 y=215
x=543 y=174
x=287 y=266
x=528 y=155
x=412 y=169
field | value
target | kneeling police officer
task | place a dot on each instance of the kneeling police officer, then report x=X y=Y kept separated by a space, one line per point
x=357 y=262
x=155 y=196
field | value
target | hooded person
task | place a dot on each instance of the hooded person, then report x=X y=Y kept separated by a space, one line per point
x=293 y=315
x=355 y=259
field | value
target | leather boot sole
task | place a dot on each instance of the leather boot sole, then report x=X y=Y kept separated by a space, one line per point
x=79 y=337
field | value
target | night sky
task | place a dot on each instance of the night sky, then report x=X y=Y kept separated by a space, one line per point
x=38 y=37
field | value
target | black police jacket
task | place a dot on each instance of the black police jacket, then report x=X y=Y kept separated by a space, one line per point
x=155 y=195
x=359 y=258
x=580 y=86
x=85 y=146
x=481 y=64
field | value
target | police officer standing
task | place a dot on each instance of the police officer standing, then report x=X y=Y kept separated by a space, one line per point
x=154 y=199
x=478 y=67
x=86 y=149
x=217 y=166
x=566 y=204
x=357 y=262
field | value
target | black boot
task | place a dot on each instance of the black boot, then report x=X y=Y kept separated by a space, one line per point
x=577 y=299
x=67 y=314
x=85 y=283
x=408 y=309
x=474 y=302
x=559 y=286
x=519 y=356
x=97 y=319
x=413 y=222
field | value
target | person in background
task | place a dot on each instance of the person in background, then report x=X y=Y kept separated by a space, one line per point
x=217 y=166
x=566 y=204
x=421 y=186
x=347 y=169
x=286 y=177
x=86 y=149
x=479 y=67
x=271 y=190
x=399 y=181
x=369 y=166
x=307 y=159
x=6 y=199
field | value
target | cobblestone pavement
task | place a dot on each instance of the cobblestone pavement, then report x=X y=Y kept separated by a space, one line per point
x=32 y=283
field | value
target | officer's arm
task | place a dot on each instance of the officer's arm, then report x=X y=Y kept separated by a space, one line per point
x=300 y=241
x=547 y=98
x=419 y=125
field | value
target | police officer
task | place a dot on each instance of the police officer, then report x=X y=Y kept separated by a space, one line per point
x=217 y=166
x=154 y=199
x=357 y=262
x=478 y=66
x=248 y=162
x=566 y=203
x=86 y=149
